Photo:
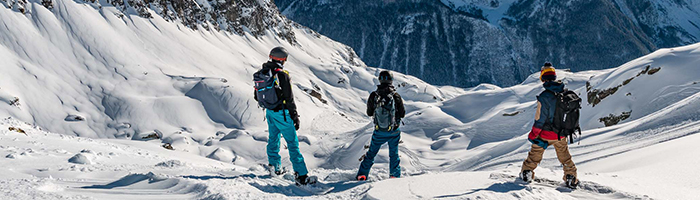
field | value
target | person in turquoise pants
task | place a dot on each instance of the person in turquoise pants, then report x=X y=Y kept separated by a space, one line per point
x=273 y=91
x=386 y=107
x=276 y=127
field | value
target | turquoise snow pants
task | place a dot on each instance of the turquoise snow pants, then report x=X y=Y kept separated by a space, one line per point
x=276 y=126
x=379 y=138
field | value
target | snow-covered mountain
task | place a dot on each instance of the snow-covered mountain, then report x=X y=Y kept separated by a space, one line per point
x=126 y=74
x=468 y=42
x=138 y=71
x=108 y=102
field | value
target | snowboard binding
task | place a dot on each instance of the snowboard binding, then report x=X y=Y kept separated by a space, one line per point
x=527 y=176
x=275 y=172
x=305 y=179
x=571 y=181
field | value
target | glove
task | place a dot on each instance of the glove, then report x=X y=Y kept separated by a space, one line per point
x=398 y=123
x=296 y=123
x=295 y=118
x=534 y=133
x=539 y=142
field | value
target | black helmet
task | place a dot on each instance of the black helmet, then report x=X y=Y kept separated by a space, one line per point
x=279 y=54
x=385 y=77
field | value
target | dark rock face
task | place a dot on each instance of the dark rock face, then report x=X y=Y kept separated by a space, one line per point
x=424 y=38
x=590 y=34
x=449 y=45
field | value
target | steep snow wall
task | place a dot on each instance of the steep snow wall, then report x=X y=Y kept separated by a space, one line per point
x=179 y=72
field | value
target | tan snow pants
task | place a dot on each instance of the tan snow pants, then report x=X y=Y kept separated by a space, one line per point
x=562 y=149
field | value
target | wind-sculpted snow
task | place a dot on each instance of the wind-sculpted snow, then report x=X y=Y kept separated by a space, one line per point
x=112 y=68
x=93 y=70
x=224 y=105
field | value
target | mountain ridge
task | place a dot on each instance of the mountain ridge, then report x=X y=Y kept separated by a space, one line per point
x=498 y=42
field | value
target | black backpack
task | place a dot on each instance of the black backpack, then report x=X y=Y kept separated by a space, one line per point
x=266 y=88
x=566 y=115
x=385 y=112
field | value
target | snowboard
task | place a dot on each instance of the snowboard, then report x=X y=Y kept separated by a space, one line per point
x=541 y=181
x=317 y=188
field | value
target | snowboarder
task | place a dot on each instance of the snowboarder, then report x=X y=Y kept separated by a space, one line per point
x=386 y=107
x=273 y=91
x=543 y=136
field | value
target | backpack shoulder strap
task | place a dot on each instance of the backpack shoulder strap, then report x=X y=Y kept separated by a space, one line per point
x=377 y=97
x=545 y=92
x=376 y=94
x=281 y=70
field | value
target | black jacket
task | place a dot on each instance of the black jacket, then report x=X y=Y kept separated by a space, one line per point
x=285 y=84
x=383 y=90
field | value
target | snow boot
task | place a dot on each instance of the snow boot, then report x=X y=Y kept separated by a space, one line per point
x=281 y=171
x=571 y=181
x=305 y=180
x=361 y=177
x=527 y=175
x=274 y=171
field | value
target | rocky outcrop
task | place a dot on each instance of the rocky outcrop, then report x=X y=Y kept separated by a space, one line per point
x=595 y=96
x=237 y=16
x=612 y=119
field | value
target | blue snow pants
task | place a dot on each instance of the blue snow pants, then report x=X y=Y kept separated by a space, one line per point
x=278 y=126
x=379 y=138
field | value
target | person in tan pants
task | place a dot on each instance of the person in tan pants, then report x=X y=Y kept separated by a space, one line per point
x=561 y=147
x=542 y=135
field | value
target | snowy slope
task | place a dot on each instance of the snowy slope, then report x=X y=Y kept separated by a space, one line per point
x=91 y=70
x=485 y=130
x=610 y=159
x=89 y=87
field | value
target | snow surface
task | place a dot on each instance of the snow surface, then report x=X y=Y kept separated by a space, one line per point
x=142 y=84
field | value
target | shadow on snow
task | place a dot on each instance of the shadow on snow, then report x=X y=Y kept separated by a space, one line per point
x=287 y=188
x=498 y=187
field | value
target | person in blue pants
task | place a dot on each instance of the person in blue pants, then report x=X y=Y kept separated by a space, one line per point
x=282 y=117
x=276 y=127
x=386 y=107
